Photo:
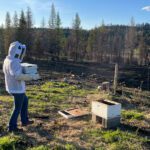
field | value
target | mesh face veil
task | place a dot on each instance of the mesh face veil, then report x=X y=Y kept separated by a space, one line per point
x=20 y=52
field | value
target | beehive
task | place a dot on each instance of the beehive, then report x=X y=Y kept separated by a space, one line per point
x=107 y=111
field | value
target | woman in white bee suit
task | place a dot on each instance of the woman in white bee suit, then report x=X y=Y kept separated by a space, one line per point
x=15 y=84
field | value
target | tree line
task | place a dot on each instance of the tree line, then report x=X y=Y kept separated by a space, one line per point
x=104 y=44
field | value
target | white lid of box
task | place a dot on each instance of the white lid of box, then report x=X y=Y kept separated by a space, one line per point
x=29 y=68
x=29 y=65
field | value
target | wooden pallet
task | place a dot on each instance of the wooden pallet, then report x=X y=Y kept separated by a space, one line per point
x=73 y=113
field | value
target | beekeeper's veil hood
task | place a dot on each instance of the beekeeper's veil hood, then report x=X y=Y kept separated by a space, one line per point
x=16 y=51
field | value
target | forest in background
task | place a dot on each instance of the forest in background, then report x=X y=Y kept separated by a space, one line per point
x=104 y=44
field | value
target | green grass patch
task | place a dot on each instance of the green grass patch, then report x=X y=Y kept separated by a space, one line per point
x=124 y=146
x=70 y=147
x=6 y=98
x=56 y=92
x=54 y=96
x=112 y=138
x=9 y=142
x=132 y=114
x=42 y=147
x=56 y=147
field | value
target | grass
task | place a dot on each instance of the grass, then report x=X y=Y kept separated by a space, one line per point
x=42 y=147
x=116 y=139
x=65 y=89
x=50 y=97
x=9 y=142
x=51 y=94
x=6 y=99
x=132 y=114
x=123 y=146
x=56 y=147
x=70 y=147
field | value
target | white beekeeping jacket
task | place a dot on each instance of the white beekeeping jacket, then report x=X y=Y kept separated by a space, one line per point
x=13 y=70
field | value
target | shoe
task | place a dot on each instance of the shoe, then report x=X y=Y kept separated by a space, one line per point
x=28 y=123
x=15 y=130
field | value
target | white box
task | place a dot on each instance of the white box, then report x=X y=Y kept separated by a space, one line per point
x=106 y=109
x=29 y=68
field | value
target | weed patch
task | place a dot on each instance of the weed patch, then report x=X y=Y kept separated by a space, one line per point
x=132 y=115
x=8 y=142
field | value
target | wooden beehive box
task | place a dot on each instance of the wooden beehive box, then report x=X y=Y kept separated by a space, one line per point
x=106 y=108
x=108 y=111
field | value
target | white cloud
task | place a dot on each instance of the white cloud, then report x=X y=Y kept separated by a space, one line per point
x=146 y=8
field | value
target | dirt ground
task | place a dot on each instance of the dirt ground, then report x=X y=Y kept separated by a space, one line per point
x=48 y=96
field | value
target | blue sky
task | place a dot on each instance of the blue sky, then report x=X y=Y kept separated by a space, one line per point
x=91 y=12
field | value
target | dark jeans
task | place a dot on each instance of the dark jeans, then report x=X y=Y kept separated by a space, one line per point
x=20 y=107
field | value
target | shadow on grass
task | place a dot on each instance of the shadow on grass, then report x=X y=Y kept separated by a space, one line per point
x=140 y=131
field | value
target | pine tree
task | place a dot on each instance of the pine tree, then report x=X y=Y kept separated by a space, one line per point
x=7 y=33
x=15 y=20
x=54 y=34
x=29 y=18
x=58 y=21
x=15 y=26
x=76 y=36
x=77 y=22
x=59 y=36
x=29 y=33
x=8 y=20
x=53 y=17
x=2 y=52
x=22 y=29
